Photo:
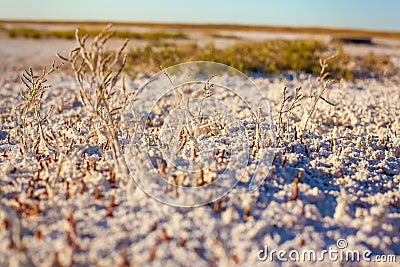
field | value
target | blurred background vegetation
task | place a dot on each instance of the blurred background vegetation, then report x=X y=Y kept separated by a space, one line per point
x=269 y=57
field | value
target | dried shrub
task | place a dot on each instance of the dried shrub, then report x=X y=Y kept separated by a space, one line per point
x=34 y=130
x=102 y=90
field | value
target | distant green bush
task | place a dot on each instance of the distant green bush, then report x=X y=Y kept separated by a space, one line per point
x=70 y=34
x=268 y=57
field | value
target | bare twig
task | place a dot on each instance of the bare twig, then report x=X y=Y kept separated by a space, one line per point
x=322 y=85
x=98 y=72
x=32 y=111
x=288 y=105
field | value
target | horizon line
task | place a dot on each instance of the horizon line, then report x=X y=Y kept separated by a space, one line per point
x=222 y=26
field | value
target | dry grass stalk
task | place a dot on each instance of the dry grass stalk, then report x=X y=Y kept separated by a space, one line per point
x=321 y=86
x=296 y=186
x=98 y=72
x=31 y=114
x=288 y=105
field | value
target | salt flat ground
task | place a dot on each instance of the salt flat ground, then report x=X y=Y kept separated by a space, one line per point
x=349 y=187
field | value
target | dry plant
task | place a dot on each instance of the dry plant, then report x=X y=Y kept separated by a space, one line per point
x=39 y=134
x=321 y=85
x=33 y=117
x=289 y=103
x=98 y=73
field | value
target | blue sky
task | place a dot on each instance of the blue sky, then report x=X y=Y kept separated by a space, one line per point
x=359 y=14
